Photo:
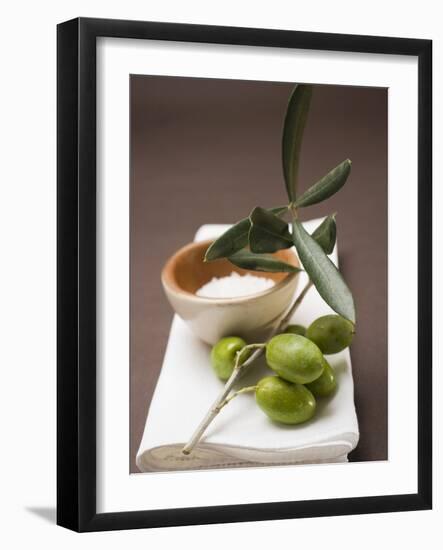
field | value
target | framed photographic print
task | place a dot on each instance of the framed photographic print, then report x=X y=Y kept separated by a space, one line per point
x=244 y=274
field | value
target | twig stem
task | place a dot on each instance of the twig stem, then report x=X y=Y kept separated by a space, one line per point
x=219 y=402
x=246 y=389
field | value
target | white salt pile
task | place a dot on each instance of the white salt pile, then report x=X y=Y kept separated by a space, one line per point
x=234 y=285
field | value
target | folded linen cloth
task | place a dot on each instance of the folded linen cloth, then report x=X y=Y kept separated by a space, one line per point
x=241 y=435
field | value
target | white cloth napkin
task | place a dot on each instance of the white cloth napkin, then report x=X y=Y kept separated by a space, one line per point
x=241 y=435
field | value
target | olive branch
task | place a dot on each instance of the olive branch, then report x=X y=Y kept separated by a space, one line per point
x=250 y=243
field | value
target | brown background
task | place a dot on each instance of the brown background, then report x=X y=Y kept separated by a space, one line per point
x=207 y=151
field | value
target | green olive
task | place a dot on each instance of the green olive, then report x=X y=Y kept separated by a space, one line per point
x=296 y=329
x=223 y=355
x=284 y=401
x=331 y=333
x=294 y=358
x=325 y=384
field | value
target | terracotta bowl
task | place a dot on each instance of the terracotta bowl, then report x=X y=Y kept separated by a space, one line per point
x=251 y=317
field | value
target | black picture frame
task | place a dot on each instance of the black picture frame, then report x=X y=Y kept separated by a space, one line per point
x=76 y=279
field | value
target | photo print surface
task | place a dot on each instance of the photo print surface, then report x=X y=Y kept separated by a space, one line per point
x=205 y=154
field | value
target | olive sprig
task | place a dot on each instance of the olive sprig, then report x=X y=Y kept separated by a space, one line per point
x=249 y=242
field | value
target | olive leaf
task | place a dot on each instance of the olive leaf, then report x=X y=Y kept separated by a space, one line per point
x=323 y=273
x=293 y=128
x=261 y=262
x=326 y=234
x=268 y=232
x=327 y=185
x=234 y=239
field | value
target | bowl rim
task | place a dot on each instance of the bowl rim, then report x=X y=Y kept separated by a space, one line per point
x=224 y=301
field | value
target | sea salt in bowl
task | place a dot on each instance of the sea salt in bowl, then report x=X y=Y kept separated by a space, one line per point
x=250 y=316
